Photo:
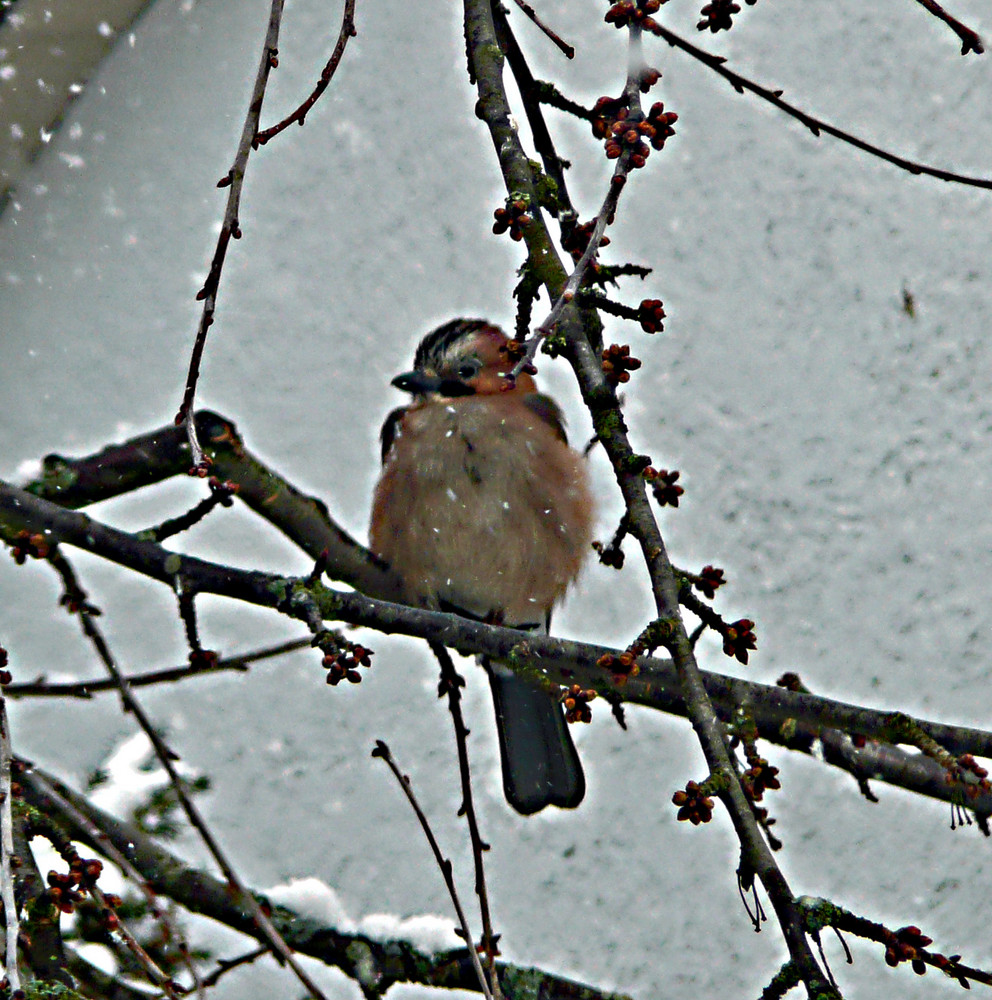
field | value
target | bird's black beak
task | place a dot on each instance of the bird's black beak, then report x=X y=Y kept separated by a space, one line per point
x=421 y=384
x=418 y=383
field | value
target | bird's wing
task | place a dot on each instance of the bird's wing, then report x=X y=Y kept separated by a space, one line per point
x=549 y=411
x=389 y=429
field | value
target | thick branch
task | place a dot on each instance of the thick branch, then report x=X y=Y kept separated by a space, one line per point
x=786 y=717
x=361 y=958
x=164 y=453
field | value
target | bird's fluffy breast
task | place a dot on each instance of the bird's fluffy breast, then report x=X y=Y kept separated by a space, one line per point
x=483 y=507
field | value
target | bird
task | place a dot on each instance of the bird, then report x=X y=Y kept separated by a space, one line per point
x=483 y=509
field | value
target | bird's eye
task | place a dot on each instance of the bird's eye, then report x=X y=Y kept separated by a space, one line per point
x=469 y=369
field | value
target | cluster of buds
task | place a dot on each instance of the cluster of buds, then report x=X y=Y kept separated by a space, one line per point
x=515 y=217
x=626 y=134
x=718 y=15
x=661 y=121
x=201 y=470
x=738 y=638
x=969 y=775
x=577 y=239
x=604 y=114
x=609 y=555
x=709 y=581
x=904 y=945
x=650 y=314
x=65 y=890
x=626 y=12
x=624 y=665
x=759 y=778
x=203 y=659
x=664 y=485
x=223 y=491
x=35 y=546
x=618 y=364
x=694 y=804
x=340 y=663
x=515 y=351
x=576 y=702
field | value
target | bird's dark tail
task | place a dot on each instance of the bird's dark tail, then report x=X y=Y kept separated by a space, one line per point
x=540 y=764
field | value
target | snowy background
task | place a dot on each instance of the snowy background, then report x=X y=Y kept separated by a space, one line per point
x=835 y=450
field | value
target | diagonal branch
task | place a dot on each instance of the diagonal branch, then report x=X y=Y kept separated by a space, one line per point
x=167 y=759
x=970 y=40
x=378 y=963
x=230 y=228
x=789 y=718
x=815 y=125
x=600 y=398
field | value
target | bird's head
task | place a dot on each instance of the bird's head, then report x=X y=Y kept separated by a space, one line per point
x=465 y=357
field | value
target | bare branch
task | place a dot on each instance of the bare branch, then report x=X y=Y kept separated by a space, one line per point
x=970 y=41
x=360 y=957
x=382 y=751
x=230 y=228
x=86 y=689
x=532 y=14
x=815 y=125
x=299 y=115
x=777 y=711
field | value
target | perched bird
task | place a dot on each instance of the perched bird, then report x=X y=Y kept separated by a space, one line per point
x=483 y=509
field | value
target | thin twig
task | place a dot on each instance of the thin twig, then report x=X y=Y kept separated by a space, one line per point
x=299 y=115
x=574 y=281
x=152 y=971
x=815 y=125
x=382 y=750
x=225 y=965
x=451 y=685
x=109 y=850
x=220 y=494
x=970 y=41
x=530 y=94
x=86 y=689
x=532 y=14
x=379 y=964
x=606 y=213
x=167 y=759
x=230 y=228
x=12 y=923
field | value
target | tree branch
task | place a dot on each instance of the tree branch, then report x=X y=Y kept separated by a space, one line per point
x=789 y=718
x=360 y=957
x=815 y=125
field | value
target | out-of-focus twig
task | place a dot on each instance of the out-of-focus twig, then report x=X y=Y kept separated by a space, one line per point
x=12 y=924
